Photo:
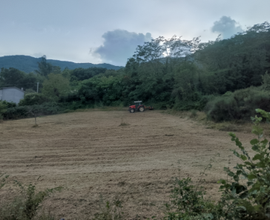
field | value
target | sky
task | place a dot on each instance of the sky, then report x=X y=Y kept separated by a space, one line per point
x=108 y=31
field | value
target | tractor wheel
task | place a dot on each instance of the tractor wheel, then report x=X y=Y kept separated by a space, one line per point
x=141 y=109
x=131 y=110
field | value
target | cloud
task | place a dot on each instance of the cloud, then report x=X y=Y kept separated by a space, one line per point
x=119 y=45
x=226 y=26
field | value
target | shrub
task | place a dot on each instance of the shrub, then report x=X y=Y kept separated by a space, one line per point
x=239 y=105
x=187 y=201
x=48 y=108
x=186 y=105
x=109 y=210
x=26 y=204
x=245 y=194
x=29 y=91
x=249 y=186
x=18 y=112
x=33 y=99
x=222 y=109
x=2 y=109
x=9 y=104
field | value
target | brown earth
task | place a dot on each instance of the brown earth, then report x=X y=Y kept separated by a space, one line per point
x=114 y=154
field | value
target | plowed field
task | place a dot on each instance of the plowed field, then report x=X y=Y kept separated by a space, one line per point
x=113 y=154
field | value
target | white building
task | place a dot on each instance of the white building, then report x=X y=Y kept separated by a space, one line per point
x=11 y=94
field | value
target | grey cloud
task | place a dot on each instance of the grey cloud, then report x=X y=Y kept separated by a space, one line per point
x=119 y=45
x=226 y=26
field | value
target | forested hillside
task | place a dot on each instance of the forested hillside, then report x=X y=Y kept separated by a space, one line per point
x=226 y=78
x=30 y=64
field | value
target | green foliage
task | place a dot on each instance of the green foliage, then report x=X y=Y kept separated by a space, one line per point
x=18 y=112
x=29 y=91
x=26 y=205
x=185 y=81
x=55 y=86
x=33 y=99
x=245 y=195
x=266 y=81
x=109 y=210
x=3 y=108
x=173 y=73
x=249 y=186
x=15 y=78
x=80 y=74
x=8 y=104
x=238 y=105
x=45 y=68
x=235 y=63
x=106 y=90
x=9 y=76
x=187 y=201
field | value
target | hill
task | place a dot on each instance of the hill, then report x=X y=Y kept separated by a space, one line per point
x=30 y=64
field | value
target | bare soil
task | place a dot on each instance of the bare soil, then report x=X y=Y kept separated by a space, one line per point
x=114 y=154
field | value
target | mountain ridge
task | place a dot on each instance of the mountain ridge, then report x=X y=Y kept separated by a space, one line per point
x=29 y=64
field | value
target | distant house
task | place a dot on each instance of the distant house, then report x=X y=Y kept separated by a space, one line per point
x=11 y=94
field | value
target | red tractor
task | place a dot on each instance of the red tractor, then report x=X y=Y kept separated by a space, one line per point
x=139 y=107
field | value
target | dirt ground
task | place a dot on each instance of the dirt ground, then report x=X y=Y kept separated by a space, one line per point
x=115 y=154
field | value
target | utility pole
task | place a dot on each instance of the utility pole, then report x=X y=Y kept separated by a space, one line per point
x=37 y=86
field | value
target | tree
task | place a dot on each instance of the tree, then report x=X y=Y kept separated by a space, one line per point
x=11 y=77
x=80 y=74
x=45 y=68
x=236 y=63
x=102 y=89
x=15 y=78
x=55 y=86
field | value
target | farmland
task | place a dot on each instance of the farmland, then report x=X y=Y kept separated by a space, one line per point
x=114 y=154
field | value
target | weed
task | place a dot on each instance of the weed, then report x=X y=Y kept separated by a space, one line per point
x=123 y=123
x=109 y=210
x=26 y=204
x=249 y=187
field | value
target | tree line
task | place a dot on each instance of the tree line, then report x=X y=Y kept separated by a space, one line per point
x=166 y=73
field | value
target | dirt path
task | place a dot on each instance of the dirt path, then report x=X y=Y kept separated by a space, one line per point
x=90 y=153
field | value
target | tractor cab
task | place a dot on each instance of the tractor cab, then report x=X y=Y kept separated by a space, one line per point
x=137 y=103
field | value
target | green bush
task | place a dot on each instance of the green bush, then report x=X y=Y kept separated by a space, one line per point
x=245 y=193
x=9 y=104
x=187 y=201
x=18 y=112
x=33 y=99
x=239 y=105
x=48 y=108
x=196 y=104
x=2 y=109
x=249 y=186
